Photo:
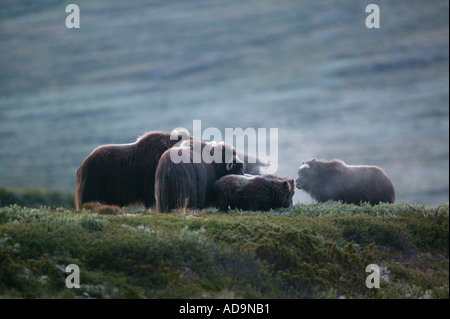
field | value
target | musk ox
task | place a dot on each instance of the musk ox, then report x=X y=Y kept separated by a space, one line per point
x=253 y=192
x=189 y=183
x=351 y=184
x=123 y=174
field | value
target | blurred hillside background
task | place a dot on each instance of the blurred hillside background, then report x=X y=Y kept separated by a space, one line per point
x=332 y=87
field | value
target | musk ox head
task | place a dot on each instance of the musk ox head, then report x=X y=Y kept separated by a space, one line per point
x=289 y=190
x=307 y=174
x=233 y=164
x=314 y=174
x=285 y=189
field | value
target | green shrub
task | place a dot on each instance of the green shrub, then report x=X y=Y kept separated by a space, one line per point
x=305 y=251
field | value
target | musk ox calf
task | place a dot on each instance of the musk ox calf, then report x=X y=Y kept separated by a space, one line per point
x=253 y=192
x=352 y=184
x=123 y=174
x=189 y=184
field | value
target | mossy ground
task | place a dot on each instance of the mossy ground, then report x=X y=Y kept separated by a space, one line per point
x=306 y=251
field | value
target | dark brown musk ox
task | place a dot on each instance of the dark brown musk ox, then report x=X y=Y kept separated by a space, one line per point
x=124 y=174
x=253 y=192
x=188 y=183
x=351 y=184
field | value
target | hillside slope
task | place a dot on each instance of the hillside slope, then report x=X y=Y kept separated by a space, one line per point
x=306 y=251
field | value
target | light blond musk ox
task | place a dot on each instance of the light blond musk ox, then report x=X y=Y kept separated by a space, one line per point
x=351 y=184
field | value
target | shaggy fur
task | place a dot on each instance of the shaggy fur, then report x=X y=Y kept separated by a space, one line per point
x=248 y=192
x=189 y=185
x=352 y=184
x=122 y=174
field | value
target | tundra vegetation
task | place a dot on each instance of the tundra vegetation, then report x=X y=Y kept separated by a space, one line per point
x=304 y=251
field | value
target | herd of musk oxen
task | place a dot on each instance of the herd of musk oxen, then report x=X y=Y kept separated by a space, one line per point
x=143 y=172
